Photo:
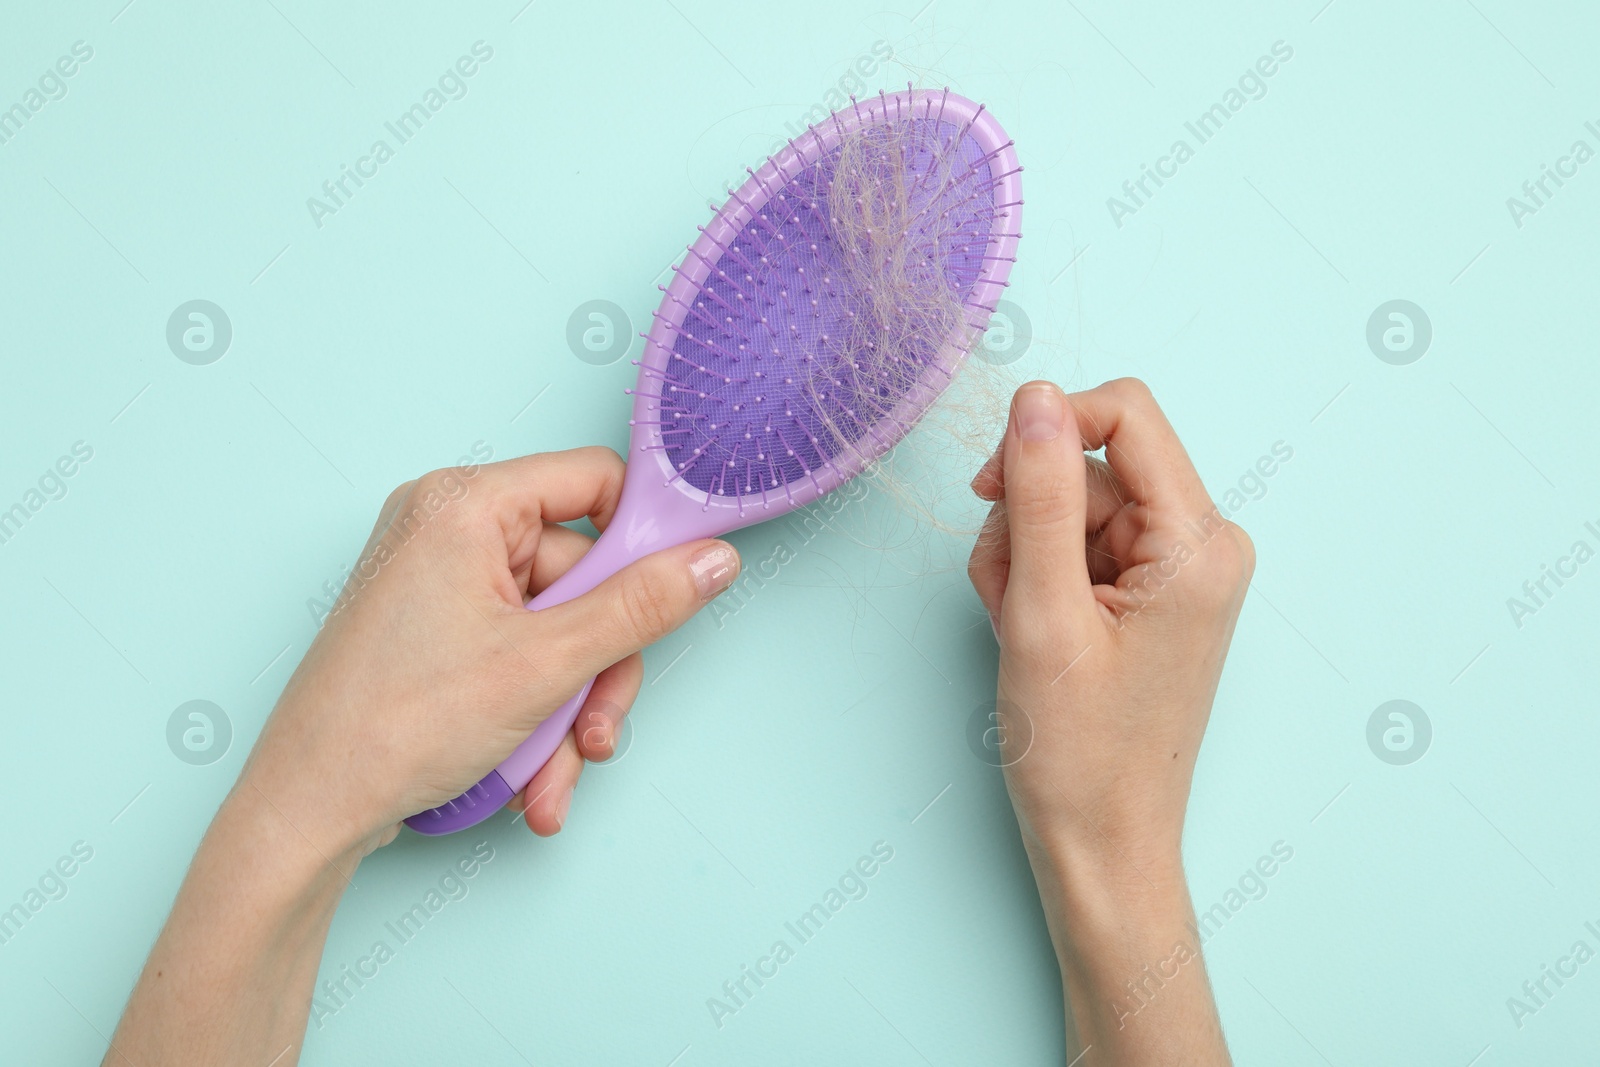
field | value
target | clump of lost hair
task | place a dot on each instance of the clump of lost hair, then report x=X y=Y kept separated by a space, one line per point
x=886 y=206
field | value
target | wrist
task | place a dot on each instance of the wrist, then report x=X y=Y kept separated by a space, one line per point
x=257 y=842
x=1104 y=894
x=247 y=928
x=1127 y=856
x=291 y=791
x=1095 y=879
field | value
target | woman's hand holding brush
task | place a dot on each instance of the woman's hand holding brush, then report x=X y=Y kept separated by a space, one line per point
x=440 y=641
x=428 y=671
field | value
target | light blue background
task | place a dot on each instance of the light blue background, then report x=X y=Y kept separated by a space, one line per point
x=432 y=309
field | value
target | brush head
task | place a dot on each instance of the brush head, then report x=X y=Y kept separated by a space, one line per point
x=829 y=302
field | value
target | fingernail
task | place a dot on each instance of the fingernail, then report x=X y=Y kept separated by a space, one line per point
x=714 y=568
x=562 y=807
x=1040 y=412
x=995 y=626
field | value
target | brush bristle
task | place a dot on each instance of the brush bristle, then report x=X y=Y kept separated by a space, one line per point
x=834 y=301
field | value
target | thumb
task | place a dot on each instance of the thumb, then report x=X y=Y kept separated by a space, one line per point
x=637 y=606
x=1046 y=501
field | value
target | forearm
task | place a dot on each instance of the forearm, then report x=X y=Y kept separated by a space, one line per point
x=1131 y=969
x=230 y=978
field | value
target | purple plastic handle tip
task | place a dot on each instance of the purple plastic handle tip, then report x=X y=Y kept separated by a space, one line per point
x=469 y=809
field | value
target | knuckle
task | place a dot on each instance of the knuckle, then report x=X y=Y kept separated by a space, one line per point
x=396 y=495
x=1036 y=645
x=1040 y=500
x=1246 y=549
x=988 y=549
x=1225 y=566
x=434 y=502
x=1130 y=390
x=448 y=481
x=611 y=465
x=436 y=481
x=647 y=607
x=602 y=455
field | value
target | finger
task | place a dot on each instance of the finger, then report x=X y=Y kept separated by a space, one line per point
x=489 y=519
x=1106 y=494
x=558 y=486
x=1141 y=447
x=989 y=482
x=990 y=562
x=523 y=495
x=546 y=799
x=558 y=549
x=1115 y=547
x=1046 y=504
x=599 y=723
x=630 y=610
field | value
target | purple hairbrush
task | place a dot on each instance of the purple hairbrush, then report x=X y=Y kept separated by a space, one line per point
x=826 y=305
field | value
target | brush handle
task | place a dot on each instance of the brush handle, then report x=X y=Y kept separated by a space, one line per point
x=613 y=551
